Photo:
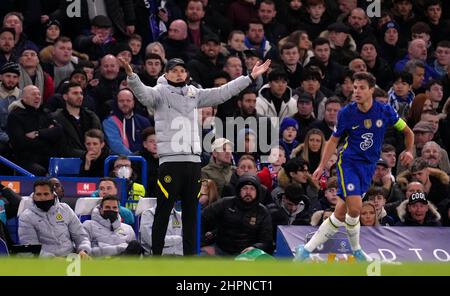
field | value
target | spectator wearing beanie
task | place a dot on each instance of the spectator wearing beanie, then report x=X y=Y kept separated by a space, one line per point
x=9 y=93
x=288 y=133
x=376 y=64
x=31 y=72
x=391 y=48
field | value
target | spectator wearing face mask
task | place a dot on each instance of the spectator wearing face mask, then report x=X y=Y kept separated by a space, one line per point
x=53 y=225
x=123 y=169
x=109 y=236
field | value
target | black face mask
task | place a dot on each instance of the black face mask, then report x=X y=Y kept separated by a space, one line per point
x=176 y=84
x=45 y=205
x=111 y=215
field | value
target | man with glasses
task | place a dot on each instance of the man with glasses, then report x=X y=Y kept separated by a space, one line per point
x=123 y=169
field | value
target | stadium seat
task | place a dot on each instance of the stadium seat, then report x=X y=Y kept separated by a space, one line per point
x=3 y=248
x=64 y=166
x=84 y=207
x=143 y=204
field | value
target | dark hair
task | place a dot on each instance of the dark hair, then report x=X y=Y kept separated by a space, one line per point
x=254 y=21
x=232 y=33
x=420 y=27
x=429 y=3
x=222 y=74
x=85 y=64
x=153 y=56
x=95 y=133
x=294 y=193
x=443 y=43
x=63 y=39
x=376 y=190
x=70 y=85
x=277 y=74
x=403 y=76
x=418 y=165
x=189 y=1
x=431 y=112
x=109 y=197
x=320 y=41
x=433 y=82
x=316 y=64
x=108 y=179
x=147 y=132
x=309 y=74
x=268 y=2
x=135 y=37
x=371 y=80
x=331 y=100
x=287 y=45
x=314 y=2
x=248 y=90
x=387 y=148
x=42 y=182
x=122 y=157
x=348 y=73
x=379 y=92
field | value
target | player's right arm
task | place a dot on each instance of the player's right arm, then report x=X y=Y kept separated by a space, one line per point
x=330 y=149
x=145 y=94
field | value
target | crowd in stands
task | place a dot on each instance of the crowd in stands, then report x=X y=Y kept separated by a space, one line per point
x=64 y=94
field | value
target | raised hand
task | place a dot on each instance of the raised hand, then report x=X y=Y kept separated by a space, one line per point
x=260 y=69
x=124 y=64
x=317 y=173
x=406 y=158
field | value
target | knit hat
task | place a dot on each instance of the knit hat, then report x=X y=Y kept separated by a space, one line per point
x=10 y=67
x=78 y=71
x=119 y=47
x=53 y=22
x=29 y=46
x=389 y=25
x=368 y=41
x=287 y=122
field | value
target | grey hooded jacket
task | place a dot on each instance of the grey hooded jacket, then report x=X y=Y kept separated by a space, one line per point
x=58 y=231
x=104 y=241
x=173 y=242
x=176 y=112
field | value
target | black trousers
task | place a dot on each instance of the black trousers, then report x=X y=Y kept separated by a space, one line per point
x=177 y=180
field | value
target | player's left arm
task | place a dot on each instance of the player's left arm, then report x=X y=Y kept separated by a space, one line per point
x=406 y=157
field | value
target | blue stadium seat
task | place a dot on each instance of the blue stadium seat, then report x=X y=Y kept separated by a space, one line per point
x=64 y=166
x=3 y=248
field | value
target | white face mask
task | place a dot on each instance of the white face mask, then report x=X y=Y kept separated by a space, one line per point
x=124 y=172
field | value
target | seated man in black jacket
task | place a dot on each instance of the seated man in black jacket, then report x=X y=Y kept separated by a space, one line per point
x=240 y=222
x=33 y=135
